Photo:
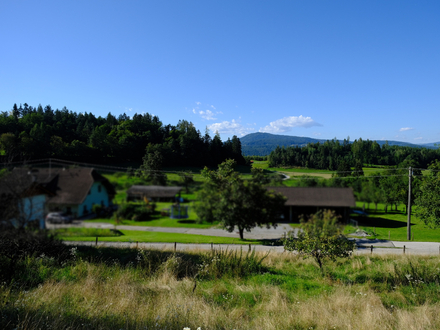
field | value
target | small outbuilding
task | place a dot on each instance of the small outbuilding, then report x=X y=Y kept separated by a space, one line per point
x=309 y=200
x=155 y=193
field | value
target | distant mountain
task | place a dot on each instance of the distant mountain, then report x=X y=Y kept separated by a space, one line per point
x=261 y=144
x=431 y=145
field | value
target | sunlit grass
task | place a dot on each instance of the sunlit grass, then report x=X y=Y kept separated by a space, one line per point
x=153 y=237
x=130 y=289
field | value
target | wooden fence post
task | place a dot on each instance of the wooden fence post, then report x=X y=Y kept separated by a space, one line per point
x=250 y=247
x=371 y=247
x=175 y=247
x=404 y=248
x=96 y=242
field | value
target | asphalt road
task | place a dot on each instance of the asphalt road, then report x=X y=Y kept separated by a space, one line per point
x=363 y=245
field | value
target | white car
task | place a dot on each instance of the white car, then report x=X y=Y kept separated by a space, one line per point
x=58 y=217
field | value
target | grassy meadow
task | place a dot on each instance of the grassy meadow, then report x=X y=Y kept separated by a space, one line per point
x=102 y=288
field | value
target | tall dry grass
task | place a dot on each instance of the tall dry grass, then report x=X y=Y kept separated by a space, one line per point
x=102 y=296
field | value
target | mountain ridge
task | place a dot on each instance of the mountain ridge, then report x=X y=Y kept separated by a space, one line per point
x=261 y=144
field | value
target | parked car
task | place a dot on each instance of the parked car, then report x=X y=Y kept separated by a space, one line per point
x=58 y=217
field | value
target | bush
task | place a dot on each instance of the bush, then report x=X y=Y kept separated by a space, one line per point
x=321 y=238
x=17 y=247
x=136 y=212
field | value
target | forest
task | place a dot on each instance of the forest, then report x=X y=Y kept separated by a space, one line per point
x=28 y=133
x=336 y=156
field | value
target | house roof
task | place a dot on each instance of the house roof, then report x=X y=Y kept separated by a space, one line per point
x=18 y=185
x=317 y=196
x=69 y=185
x=153 y=191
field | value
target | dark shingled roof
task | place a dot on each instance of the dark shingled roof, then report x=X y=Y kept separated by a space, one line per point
x=153 y=191
x=70 y=185
x=314 y=196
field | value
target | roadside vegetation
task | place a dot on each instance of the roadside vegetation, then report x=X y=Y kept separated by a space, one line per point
x=104 y=288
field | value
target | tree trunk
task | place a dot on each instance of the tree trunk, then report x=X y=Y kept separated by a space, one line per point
x=241 y=230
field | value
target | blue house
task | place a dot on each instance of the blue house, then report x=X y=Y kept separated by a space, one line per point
x=73 y=191
x=22 y=201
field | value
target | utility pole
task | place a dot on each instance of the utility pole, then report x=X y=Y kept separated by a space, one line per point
x=408 y=237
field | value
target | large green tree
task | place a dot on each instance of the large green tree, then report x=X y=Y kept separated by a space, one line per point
x=235 y=202
x=428 y=202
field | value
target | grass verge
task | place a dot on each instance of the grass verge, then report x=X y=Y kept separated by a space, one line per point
x=152 y=237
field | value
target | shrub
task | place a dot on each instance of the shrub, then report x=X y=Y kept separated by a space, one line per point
x=321 y=238
x=19 y=247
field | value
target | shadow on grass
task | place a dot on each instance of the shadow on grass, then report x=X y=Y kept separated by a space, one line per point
x=379 y=222
x=187 y=221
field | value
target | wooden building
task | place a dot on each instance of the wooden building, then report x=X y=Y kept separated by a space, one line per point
x=309 y=200
x=155 y=193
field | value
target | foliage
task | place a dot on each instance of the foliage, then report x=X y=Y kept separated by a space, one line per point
x=428 y=201
x=234 y=263
x=35 y=132
x=16 y=246
x=136 y=212
x=151 y=169
x=227 y=198
x=321 y=238
x=186 y=179
x=332 y=153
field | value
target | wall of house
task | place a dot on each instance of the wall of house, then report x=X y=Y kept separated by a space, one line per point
x=32 y=209
x=97 y=195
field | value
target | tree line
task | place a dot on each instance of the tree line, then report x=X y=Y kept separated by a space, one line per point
x=28 y=133
x=340 y=156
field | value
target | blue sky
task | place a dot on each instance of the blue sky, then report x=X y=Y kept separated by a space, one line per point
x=320 y=69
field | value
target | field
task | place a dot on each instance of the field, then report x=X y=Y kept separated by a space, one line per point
x=393 y=225
x=149 y=289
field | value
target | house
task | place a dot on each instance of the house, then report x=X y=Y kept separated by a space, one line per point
x=73 y=191
x=308 y=200
x=22 y=201
x=156 y=193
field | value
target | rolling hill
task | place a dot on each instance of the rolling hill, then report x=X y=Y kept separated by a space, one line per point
x=261 y=144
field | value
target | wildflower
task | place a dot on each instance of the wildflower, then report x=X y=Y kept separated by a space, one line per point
x=186 y=329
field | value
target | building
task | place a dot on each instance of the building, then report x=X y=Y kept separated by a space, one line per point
x=154 y=193
x=309 y=200
x=73 y=191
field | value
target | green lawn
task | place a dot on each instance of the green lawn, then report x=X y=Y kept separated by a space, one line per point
x=154 y=237
x=157 y=220
x=393 y=224
x=161 y=222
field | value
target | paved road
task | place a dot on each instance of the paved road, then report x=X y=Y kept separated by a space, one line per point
x=363 y=245
x=256 y=233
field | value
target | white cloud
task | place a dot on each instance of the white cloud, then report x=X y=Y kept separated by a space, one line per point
x=213 y=107
x=198 y=103
x=403 y=129
x=208 y=115
x=194 y=111
x=418 y=138
x=230 y=127
x=285 y=124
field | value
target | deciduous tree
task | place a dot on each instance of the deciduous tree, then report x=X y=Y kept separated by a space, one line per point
x=235 y=202
x=321 y=238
